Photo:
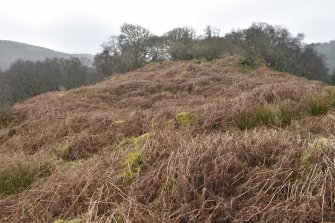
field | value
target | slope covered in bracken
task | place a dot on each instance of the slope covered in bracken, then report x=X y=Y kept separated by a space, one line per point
x=173 y=142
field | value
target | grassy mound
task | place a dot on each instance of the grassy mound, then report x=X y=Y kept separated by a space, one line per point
x=173 y=142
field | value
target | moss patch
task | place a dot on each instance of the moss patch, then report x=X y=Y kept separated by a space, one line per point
x=131 y=164
x=186 y=118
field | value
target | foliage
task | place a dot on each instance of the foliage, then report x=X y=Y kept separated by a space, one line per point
x=279 y=49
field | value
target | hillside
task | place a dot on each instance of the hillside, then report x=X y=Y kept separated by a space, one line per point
x=11 y=51
x=328 y=50
x=173 y=142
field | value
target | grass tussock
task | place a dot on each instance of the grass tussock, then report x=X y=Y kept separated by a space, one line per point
x=265 y=115
x=118 y=151
x=15 y=179
x=319 y=105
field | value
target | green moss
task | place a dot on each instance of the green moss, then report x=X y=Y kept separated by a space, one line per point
x=16 y=178
x=135 y=140
x=186 y=118
x=312 y=150
x=131 y=164
x=63 y=150
x=76 y=220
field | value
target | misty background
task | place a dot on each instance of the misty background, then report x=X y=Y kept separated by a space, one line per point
x=80 y=26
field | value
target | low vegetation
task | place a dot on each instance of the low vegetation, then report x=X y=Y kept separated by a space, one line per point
x=225 y=147
x=265 y=115
x=16 y=178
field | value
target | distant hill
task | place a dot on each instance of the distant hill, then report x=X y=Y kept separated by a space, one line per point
x=11 y=51
x=328 y=50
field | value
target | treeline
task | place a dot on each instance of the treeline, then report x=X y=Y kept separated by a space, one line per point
x=136 y=46
x=25 y=79
x=274 y=46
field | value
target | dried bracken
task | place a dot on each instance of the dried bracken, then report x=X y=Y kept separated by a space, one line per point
x=116 y=152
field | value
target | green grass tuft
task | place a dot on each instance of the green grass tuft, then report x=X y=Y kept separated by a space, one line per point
x=266 y=115
x=318 y=106
x=16 y=178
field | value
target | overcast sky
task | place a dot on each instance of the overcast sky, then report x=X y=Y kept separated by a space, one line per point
x=80 y=26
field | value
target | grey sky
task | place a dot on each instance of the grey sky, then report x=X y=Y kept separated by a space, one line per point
x=80 y=26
